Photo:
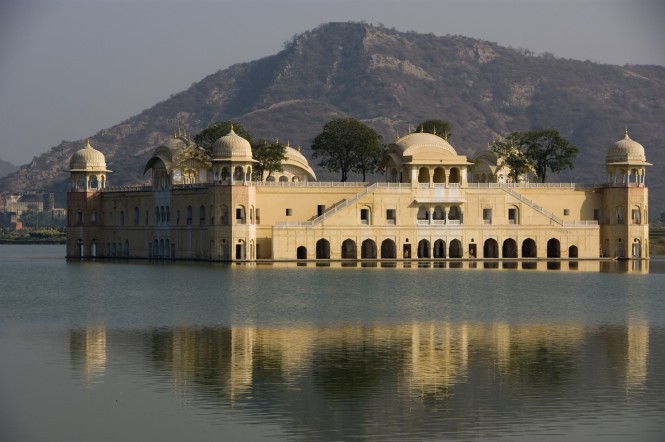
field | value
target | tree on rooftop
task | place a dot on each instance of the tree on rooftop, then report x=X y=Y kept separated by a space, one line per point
x=546 y=149
x=207 y=137
x=269 y=156
x=347 y=145
x=441 y=128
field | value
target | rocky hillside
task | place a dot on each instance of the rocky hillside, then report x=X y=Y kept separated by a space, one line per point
x=6 y=168
x=391 y=80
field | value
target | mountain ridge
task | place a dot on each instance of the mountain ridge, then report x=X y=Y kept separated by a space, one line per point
x=390 y=80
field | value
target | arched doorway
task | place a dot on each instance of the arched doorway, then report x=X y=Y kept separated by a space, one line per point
x=388 y=249
x=490 y=248
x=572 y=252
x=301 y=252
x=509 y=249
x=637 y=249
x=439 y=248
x=368 y=249
x=529 y=249
x=349 y=249
x=323 y=249
x=423 y=248
x=553 y=248
x=455 y=249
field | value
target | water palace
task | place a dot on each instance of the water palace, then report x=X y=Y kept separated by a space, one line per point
x=431 y=204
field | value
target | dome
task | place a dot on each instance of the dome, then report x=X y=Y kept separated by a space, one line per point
x=298 y=160
x=87 y=158
x=416 y=141
x=233 y=147
x=626 y=151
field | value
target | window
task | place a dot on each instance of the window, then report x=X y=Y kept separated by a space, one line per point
x=93 y=217
x=240 y=215
x=635 y=216
x=596 y=214
x=364 y=216
x=189 y=215
x=487 y=216
x=391 y=216
x=79 y=218
x=289 y=212
x=566 y=212
x=258 y=221
x=512 y=216
x=320 y=209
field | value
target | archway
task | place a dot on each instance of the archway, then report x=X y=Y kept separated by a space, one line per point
x=553 y=248
x=349 y=249
x=454 y=176
x=323 y=249
x=439 y=248
x=509 y=248
x=529 y=249
x=388 y=249
x=637 y=249
x=572 y=252
x=423 y=175
x=490 y=248
x=301 y=252
x=423 y=249
x=455 y=249
x=368 y=249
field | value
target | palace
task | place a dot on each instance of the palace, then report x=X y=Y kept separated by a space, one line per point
x=431 y=204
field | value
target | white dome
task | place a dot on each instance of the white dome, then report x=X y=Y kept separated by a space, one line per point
x=233 y=147
x=626 y=150
x=410 y=144
x=87 y=159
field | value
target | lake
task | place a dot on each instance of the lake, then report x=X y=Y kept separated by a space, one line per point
x=137 y=350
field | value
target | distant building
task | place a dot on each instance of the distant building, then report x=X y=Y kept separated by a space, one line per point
x=432 y=204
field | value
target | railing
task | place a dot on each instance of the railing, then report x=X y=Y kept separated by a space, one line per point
x=531 y=204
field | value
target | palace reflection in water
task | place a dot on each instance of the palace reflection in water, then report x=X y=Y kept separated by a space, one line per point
x=398 y=375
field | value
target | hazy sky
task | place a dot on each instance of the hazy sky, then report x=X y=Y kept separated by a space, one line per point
x=72 y=67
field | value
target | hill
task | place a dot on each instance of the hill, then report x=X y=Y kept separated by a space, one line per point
x=391 y=80
x=6 y=168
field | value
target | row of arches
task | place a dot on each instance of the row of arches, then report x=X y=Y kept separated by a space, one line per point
x=438 y=250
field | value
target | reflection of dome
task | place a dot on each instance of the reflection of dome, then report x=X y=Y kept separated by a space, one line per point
x=626 y=150
x=87 y=158
x=232 y=146
x=414 y=142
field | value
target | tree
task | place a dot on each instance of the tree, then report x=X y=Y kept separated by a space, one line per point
x=546 y=149
x=207 y=137
x=269 y=157
x=510 y=153
x=347 y=145
x=34 y=218
x=441 y=128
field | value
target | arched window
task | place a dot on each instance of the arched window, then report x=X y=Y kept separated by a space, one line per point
x=349 y=249
x=455 y=214
x=490 y=248
x=224 y=215
x=553 y=248
x=323 y=249
x=368 y=249
x=423 y=175
x=136 y=216
x=636 y=251
x=439 y=175
x=455 y=249
x=388 y=249
x=439 y=248
x=454 y=176
x=423 y=213
x=393 y=175
x=238 y=173
x=189 y=215
x=509 y=248
x=438 y=213
x=283 y=179
x=423 y=249
x=529 y=249
x=93 y=182
x=240 y=215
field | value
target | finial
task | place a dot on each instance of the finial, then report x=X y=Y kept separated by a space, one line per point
x=298 y=147
x=231 y=131
x=276 y=140
x=445 y=136
x=288 y=143
x=396 y=134
x=625 y=134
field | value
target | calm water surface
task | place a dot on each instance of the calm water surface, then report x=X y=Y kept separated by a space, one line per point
x=110 y=351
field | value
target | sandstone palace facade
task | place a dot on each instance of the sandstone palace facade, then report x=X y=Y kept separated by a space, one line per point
x=431 y=204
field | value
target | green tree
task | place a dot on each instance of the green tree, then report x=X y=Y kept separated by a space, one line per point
x=546 y=149
x=35 y=219
x=269 y=157
x=510 y=153
x=347 y=145
x=207 y=137
x=441 y=128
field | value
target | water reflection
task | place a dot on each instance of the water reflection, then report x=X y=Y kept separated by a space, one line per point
x=360 y=380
